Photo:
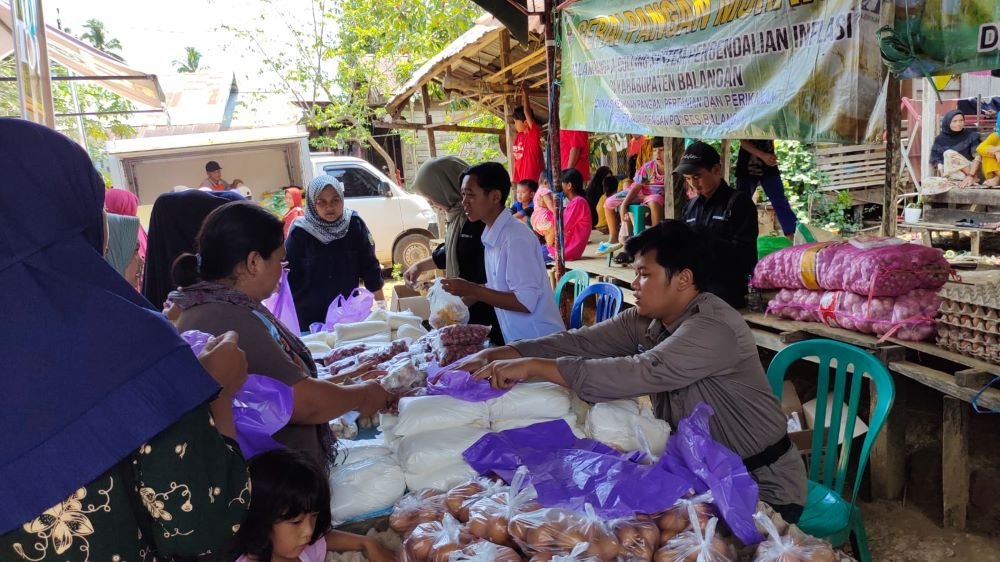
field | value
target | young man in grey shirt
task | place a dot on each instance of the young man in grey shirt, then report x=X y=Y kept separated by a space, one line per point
x=680 y=345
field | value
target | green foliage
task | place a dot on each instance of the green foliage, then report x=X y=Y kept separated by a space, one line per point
x=603 y=144
x=803 y=180
x=397 y=272
x=352 y=55
x=191 y=62
x=92 y=98
x=97 y=35
x=476 y=147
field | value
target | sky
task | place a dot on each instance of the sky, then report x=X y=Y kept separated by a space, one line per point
x=154 y=33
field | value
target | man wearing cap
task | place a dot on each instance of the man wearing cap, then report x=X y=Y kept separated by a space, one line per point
x=214 y=180
x=726 y=218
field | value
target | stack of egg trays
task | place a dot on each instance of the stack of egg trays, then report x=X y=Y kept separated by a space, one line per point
x=969 y=320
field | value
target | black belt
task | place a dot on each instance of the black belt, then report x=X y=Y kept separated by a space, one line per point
x=769 y=455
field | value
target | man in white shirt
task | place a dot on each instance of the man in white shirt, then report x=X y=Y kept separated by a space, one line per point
x=517 y=285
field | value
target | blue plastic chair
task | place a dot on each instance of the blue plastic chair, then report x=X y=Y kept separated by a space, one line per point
x=828 y=514
x=580 y=280
x=609 y=302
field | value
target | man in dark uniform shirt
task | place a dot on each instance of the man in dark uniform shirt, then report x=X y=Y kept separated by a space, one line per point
x=728 y=220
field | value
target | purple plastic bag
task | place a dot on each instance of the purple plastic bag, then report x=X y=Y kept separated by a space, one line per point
x=614 y=485
x=261 y=406
x=197 y=340
x=354 y=308
x=692 y=453
x=570 y=472
x=501 y=453
x=281 y=304
x=459 y=384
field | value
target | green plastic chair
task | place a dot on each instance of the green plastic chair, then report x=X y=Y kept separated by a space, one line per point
x=828 y=514
x=639 y=213
x=580 y=280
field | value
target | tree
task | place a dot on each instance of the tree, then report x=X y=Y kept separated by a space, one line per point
x=191 y=63
x=350 y=56
x=97 y=36
x=97 y=129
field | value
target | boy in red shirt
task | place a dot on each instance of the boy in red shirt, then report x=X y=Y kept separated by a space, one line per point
x=527 y=150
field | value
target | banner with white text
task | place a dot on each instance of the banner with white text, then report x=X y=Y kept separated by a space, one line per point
x=782 y=69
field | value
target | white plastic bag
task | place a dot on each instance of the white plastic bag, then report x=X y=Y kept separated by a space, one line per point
x=430 y=413
x=412 y=332
x=365 y=487
x=350 y=451
x=440 y=478
x=446 y=308
x=431 y=450
x=536 y=400
x=360 y=330
x=624 y=426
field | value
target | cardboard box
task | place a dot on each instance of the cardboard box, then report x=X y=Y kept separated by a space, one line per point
x=405 y=298
x=792 y=404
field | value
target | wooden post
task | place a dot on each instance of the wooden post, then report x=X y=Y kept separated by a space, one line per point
x=955 y=461
x=727 y=153
x=892 y=156
x=508 y=106
x=555 y=156
x=425 y=96
x=676 y=200
x=928 y=126
x=668 y=179
x=888 y=456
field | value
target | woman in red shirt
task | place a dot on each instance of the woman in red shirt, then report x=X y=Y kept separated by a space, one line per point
x=293 y=199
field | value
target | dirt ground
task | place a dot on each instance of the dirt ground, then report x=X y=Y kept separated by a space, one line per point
x=898 y=533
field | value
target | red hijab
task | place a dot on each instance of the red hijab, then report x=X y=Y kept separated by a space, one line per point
x=124 y=202
x=295 y=211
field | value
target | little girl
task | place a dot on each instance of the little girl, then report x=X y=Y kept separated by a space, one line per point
x=289 y=519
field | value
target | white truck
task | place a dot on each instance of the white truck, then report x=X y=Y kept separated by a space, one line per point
x=402 y=224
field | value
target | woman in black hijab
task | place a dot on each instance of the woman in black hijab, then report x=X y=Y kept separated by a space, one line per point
x=954 y=151
x=173 y=226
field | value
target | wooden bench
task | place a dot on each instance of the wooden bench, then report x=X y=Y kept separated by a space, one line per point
x=941 y=213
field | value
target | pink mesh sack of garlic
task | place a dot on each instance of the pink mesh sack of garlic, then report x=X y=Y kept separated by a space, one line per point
x=881 y=267
x=907 y=317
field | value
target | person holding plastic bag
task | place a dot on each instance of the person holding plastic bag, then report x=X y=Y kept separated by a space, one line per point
x=679 y=344
x=517 y=285
x=330 y=250
x=238 y=266
x=462 y=255
x=91 y=434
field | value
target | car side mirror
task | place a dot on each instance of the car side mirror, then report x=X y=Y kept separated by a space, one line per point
x=386 y=189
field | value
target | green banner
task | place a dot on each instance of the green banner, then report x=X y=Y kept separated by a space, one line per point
x=782 y=69
x=948 y=36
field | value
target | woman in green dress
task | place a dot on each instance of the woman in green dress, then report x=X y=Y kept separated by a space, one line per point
x=117 y=441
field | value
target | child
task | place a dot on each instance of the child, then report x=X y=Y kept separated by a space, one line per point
x=289 y=518
x=524 y=206
x=543 y=217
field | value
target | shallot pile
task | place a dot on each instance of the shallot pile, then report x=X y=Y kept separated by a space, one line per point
x=886 y=271
x=907 y=317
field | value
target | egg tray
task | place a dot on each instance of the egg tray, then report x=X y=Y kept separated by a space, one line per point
x=985 y=295
x=969 y=342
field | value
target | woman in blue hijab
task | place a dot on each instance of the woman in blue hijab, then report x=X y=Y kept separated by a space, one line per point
x=106 y=454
